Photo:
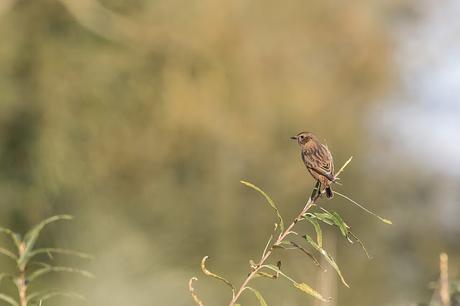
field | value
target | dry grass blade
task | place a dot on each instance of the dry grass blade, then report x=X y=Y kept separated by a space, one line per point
x=192 y=291
x=209 y=273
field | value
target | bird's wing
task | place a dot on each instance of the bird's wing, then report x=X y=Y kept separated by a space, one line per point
x=320 y=161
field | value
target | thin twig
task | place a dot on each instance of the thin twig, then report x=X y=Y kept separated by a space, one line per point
x=283 y=234
x=267 y=254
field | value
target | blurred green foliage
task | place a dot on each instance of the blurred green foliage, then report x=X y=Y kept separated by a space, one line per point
x=140 y=117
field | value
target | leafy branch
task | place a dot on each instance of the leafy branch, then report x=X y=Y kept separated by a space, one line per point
x=26 y=273
x=280 y=239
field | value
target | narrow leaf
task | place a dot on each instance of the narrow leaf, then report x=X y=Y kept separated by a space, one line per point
x=48 y=294
x=193 y=293
x=319 y=232
x=31 y=236
x=269 y=200
x=49 y=269
x=14 y=236
x=8 y=253
x=59 y=251
x=340 y=223
x=299 y=247
x=7 y=276
x=332 y=218
x=361 y=244
x=209 y=273
x=324 y=217
x=258 y=296
x=364 y=208
x=309 y=290
x=328 y=257
x=302 y=286
x=8 y=299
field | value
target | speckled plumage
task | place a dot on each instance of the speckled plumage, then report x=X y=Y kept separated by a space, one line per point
x=318 y=160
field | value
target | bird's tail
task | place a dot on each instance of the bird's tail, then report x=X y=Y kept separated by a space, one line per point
x=329 y=193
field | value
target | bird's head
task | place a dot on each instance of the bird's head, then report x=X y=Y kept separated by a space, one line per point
x=303 y=137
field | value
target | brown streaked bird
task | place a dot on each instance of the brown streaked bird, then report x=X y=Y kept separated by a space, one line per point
x=318 y=160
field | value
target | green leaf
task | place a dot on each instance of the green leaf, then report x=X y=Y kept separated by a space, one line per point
x=364 y=208
x=8 y=299
x=209 y=273
x=340 y=223
x=361 y=244
x=299 y=247
x=331 y=218
x=7 y=276
x=258 y=296
x=269 y=200
x=302 y=286
x=8 y=253
x=48 y=269
x=49 y=251
x=48 y=294
x=14 y=236
x=328 y=257
x=319 y=233
x=31 y=237
x=324 y=217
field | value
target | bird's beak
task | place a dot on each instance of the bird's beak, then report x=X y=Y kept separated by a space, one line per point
x=294 y=137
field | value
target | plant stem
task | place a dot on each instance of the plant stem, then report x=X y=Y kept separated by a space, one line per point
x=444 y=280
x=22 y=282
x=314 y=196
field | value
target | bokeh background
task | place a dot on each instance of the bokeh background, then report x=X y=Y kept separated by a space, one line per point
x=140 y=117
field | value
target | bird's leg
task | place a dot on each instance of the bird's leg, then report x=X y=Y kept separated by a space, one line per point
x=316 y=192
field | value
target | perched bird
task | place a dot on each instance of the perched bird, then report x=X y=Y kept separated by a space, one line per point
x=318 y=160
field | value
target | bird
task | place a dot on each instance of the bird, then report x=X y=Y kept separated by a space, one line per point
x=318 y=160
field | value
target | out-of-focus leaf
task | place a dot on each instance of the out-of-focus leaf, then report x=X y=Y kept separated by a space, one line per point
x=8 y=299
x=48 y=269
x=7 y=276
x=8 y=253
x=269 y=200
x=329 y=259
x=319 y=232
x=209 y=273
x=32 y=235
x=258 y=296
x=302 y=286
x=48 y=294
x=14 y=236
x=59 y=251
